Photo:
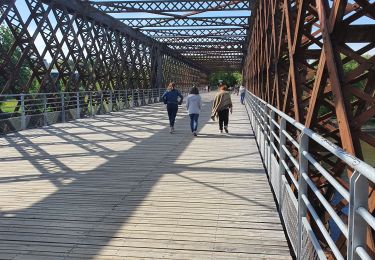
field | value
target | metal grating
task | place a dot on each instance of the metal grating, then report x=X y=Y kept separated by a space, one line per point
x=288 y=205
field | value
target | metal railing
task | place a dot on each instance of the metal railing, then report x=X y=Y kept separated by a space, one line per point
x=22 y=111
x=270 y=127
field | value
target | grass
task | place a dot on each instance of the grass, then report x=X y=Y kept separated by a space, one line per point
x=8 y=106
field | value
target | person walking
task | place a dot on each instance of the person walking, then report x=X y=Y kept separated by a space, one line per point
x=170 y=98
x=194 y=106
x=242 y=91
x=221 y=107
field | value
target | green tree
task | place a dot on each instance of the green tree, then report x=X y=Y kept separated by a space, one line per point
x=229 y=78
x=6 y=41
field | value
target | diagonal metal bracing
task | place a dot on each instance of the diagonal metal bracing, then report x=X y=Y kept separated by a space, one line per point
x=175 y=22
x=301 y=60
x=169 y=6
x=63 y=45
x=192 y=41
x=240 y=21
x=227 y=32
x=69 y=45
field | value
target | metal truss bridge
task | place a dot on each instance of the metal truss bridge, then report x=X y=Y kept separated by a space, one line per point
x=308 y=67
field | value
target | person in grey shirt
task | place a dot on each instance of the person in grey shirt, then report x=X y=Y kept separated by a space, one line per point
x=194 y=106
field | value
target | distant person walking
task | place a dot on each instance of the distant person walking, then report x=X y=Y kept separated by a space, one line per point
x=170 y=98
x=222 y=105
x=242 y=91
x=194 y=106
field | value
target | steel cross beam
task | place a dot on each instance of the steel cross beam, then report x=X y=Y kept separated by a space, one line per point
x=169 y=6
x=228 y=32
x=240 y=21
x=191 y=41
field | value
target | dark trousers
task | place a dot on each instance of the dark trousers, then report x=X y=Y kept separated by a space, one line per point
x=172 y=112
x=223 y=118
x=243 y=98
x=194 y=122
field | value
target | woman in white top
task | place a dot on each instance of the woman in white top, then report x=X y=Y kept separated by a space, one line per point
x=194 y=106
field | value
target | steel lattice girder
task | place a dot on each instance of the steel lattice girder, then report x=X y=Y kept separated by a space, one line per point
x=169 y=6
x=241 y=21
x=301 y=60
x=165 y=33
x=175 y=22
x=84 y=49
x=194 y=41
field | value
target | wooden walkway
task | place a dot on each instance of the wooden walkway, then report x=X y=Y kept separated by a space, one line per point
x=121 y=187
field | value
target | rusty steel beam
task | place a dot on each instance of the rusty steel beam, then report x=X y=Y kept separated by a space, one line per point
x=302 y=60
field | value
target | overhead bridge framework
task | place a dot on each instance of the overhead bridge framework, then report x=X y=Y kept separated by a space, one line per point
x=311 y=59
x=70 y=45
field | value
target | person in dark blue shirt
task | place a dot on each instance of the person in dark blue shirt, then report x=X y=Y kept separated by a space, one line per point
x=172 y=98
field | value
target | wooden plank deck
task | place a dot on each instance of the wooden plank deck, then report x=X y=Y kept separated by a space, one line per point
x=120 y=186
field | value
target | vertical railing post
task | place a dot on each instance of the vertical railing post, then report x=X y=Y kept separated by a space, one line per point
x=282 y=157
x=91 y=106
x=45 y=123
x=144 y=97
x=359 y=188
x=101 y=105
x=62 y=107
x=127 y=104
x=302 y=190
x=110 y=101
x=255 y=104
x=259 y=128
x=265 y=131
x=256 y=117
x=78 y=110
x=133 y=101
x=255 y=112
x=272 y=139
x=251 y=107
x=23 y=112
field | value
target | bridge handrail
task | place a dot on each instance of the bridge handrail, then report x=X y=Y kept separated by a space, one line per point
x=263 y=118
x=22 y=111
x=18 y=110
